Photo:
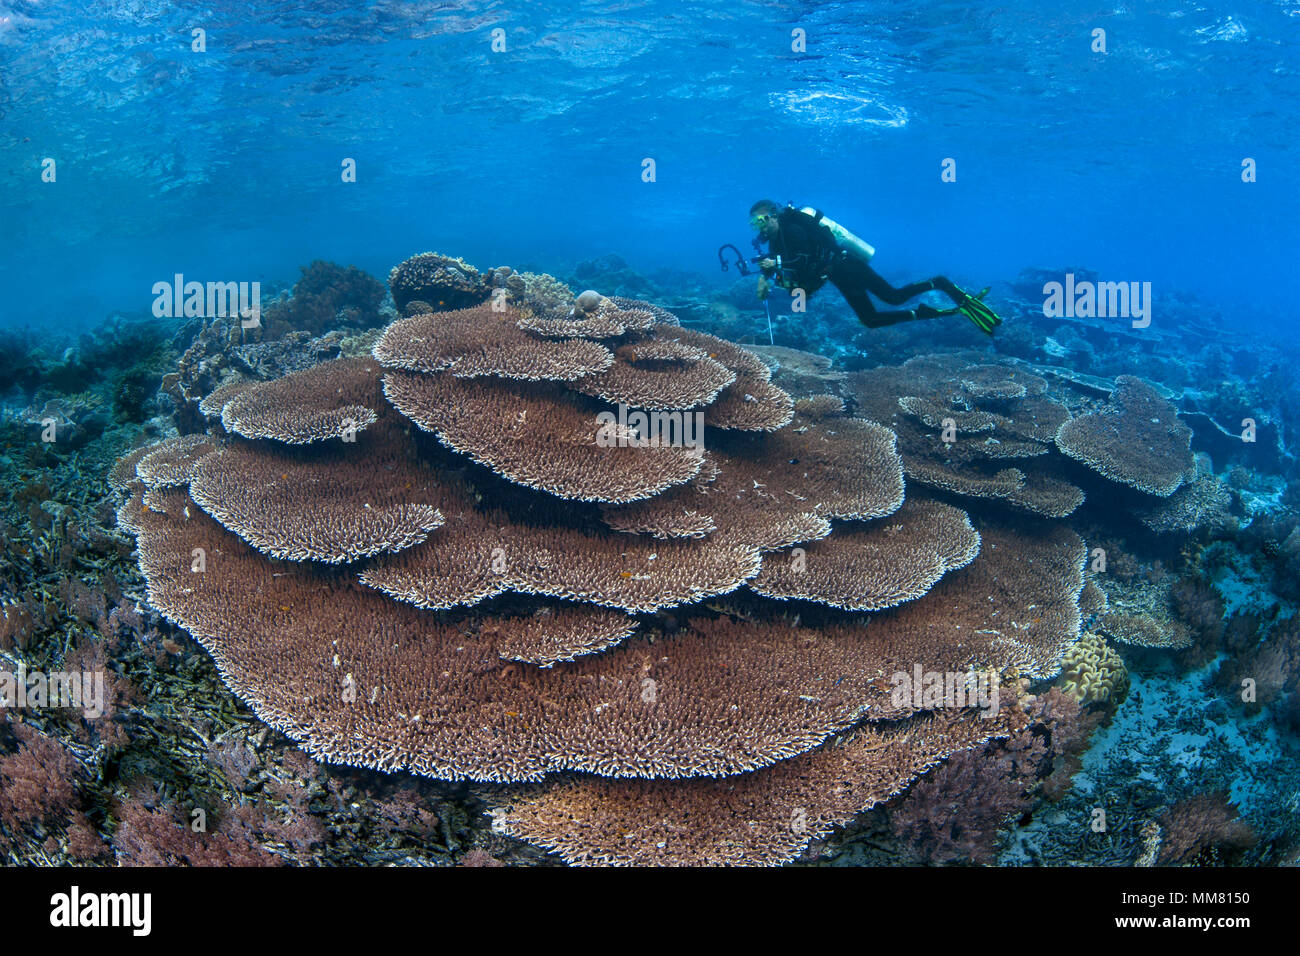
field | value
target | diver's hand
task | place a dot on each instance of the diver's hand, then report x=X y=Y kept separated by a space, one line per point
x=763 y=286
x=766 y=264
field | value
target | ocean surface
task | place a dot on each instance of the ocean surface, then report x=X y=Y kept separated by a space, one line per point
x=226 y=164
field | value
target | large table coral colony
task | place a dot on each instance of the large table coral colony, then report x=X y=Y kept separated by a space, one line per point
x=521 y=604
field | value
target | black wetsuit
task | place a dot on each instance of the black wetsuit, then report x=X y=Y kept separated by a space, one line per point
x=810 y=257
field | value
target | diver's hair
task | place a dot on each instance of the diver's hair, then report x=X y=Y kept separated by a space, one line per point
x=764 y=205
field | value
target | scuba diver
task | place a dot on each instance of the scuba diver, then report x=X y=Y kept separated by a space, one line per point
x=806 y=249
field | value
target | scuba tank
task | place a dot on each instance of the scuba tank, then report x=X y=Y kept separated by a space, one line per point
x=847 y=240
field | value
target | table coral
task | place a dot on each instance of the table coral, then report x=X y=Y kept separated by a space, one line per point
x=458 y=607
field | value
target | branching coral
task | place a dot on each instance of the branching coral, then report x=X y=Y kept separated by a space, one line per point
x=326 y=297
x=1199 y=504
x=1144 y=630
x=1202 y=825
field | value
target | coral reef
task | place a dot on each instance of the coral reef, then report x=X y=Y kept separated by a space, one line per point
x=802 y=374
x=1138 y=440
x=1263 y=672
x=327 y=297
x=505 y=691
x=637 y=655
x=440 y=281
x=973 y=430
x=1201 y=826
x=960 y=813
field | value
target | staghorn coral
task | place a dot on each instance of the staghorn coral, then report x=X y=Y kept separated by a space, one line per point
x=1138 y=440
x=510 y=655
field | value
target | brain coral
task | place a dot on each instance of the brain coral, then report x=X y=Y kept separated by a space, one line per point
x=431 y=562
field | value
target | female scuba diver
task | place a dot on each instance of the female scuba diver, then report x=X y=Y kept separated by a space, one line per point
x=806 y=249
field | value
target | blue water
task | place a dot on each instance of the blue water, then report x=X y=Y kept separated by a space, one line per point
x=226 y=164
